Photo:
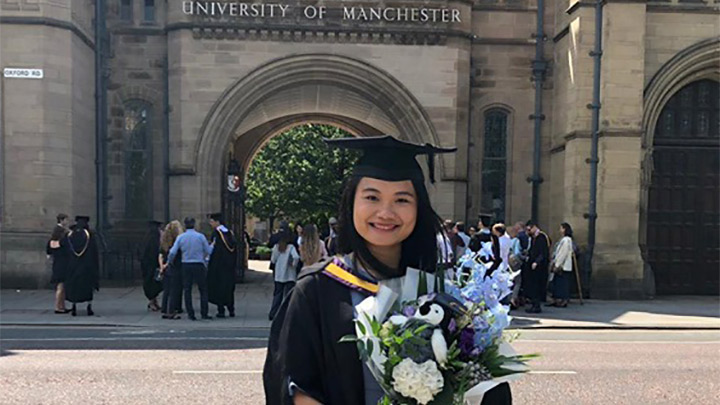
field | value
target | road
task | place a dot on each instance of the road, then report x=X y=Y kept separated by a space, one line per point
x=65 y=365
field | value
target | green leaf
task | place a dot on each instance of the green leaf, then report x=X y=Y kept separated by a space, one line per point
x=362 y=328
x=348 y=339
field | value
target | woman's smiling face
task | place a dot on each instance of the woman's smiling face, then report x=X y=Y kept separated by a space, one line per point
x=384 y=212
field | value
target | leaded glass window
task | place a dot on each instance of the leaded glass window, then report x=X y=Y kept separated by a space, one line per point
x=691 y=113
x=494 y=163
x=138 y=155
x=126 y=10
x=149 y=10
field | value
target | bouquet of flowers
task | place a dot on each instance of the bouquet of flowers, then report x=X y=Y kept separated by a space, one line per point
x=439 y=340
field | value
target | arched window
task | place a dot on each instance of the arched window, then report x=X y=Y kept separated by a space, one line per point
x=494 y=163
x=138 y=160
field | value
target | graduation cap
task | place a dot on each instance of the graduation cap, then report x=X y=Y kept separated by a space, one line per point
x=486 y=219
x=388 y=158
x=79 y=218
x=216 y=216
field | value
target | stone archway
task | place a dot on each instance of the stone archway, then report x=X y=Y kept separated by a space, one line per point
x=698 y=62
x=338 y=88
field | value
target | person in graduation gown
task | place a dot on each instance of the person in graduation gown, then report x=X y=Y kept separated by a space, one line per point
x=539 y=258
x=59 y=261
x=149 y=265
x=386 y=224
x=221 y=267
x=83 y=271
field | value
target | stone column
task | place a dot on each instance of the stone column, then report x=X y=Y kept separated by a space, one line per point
x=617 y=264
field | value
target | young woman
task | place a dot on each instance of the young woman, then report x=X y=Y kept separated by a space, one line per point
x=148 y=265
x=386 y=224
x=312 y=249
x=284 y=259
x=172 y=272
x=562 y=267
x=60 y=260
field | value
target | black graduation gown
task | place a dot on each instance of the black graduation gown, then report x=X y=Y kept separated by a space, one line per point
x=303 y=346
x=83 y=266
x=149 y=263
x=539 y=253
x=60 y=261
x=221 y=268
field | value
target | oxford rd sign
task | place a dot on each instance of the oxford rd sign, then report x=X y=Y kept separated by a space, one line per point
x=239 y=10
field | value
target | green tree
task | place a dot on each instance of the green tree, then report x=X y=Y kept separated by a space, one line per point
x=297 y=176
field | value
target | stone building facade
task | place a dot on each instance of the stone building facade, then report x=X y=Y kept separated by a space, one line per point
x=191 y=83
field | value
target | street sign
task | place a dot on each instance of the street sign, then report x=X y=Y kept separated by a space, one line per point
x=20 y=73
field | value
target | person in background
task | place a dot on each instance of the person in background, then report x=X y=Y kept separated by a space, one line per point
x=445 y=249
x=284 y=259
x=59 y=261
x=562 y=266
x=83 y=274
x=149 y=264
x=275 y=238
x=539 y=258
x=504 y=244
x=221 y=268
x=298 y=235
x=484 y=235
x=465 y=238
x=172 y=272
x=518 y=261
x=195 y=252
x=471 y=232
x=298 y=241
x=312 y=249
x=331 y=241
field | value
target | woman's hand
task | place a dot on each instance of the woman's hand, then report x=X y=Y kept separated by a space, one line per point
x=302 y=399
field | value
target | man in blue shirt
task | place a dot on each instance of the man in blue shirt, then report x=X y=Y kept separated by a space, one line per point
x=195 y=253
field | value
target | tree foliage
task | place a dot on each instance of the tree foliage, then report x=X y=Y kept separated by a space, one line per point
x=297 y=176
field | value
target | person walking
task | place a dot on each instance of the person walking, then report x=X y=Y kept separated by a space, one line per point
x=171 y=271
x=195 y=252
x=539 y=258
x=312 y=249
x=283 y=260
x=149 y=265
x=83 y=275
x=59 y=259
x=562 y=267
x=221 y=268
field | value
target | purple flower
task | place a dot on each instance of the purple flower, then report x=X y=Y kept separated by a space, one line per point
x=408 y=311
x=452 y=326
x=466 y=342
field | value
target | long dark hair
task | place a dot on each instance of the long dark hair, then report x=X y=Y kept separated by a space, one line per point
x=567 y=229
x=419 y=250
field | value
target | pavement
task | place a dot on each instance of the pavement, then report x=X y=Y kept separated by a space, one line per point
x=127 y=307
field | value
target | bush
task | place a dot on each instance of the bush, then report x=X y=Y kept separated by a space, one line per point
x=263 y=250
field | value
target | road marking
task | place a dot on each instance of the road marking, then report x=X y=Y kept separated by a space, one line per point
x=217 y=372
x=119 y=339
x=618 y=341
x=565 y=372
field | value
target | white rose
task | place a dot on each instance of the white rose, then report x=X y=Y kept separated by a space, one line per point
x=418 y=381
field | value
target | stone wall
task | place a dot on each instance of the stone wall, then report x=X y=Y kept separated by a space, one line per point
x=48 y=133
